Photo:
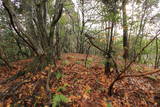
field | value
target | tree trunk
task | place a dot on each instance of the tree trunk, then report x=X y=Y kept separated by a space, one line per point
x=125 y=31
x=109 y=52
x=157 y=55
x=34 y=32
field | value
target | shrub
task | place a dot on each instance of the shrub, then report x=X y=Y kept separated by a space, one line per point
x=58 y=100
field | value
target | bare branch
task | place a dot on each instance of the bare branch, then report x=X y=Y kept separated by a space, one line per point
x=15 y=24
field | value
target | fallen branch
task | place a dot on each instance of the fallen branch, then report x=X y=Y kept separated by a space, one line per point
x=142 y=74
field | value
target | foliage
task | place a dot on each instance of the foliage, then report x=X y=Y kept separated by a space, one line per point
x=62 y=88
x=58 y=74
x=59 y=99
x=115 y=17
x=108 y=105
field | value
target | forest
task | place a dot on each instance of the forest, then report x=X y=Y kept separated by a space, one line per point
x=79 y=53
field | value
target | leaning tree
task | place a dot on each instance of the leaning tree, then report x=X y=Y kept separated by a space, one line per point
x=34 y=23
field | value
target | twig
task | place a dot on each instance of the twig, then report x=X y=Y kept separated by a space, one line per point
x=90 y=40
x=87 y=55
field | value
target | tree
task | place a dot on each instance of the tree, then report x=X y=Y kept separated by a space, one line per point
x=35 y=31
x=35 y=25
x=112 y=10
x=125 y=31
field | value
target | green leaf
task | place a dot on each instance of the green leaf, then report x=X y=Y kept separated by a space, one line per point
x=58 y=99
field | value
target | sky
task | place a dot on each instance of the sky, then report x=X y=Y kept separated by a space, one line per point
x=151 y=28
x=76 y=5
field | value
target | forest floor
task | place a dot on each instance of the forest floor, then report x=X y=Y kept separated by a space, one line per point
x=82 y=86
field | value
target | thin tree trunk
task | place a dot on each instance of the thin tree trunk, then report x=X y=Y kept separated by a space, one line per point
x=157 y=51
x=109 y=52
x=125 y=31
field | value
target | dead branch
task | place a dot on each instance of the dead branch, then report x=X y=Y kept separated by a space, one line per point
x=141 y=74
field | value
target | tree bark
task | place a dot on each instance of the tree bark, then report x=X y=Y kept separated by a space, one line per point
x=125 y=31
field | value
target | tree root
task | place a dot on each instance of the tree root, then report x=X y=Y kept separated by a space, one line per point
x=11 y=90
x=36 y=65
